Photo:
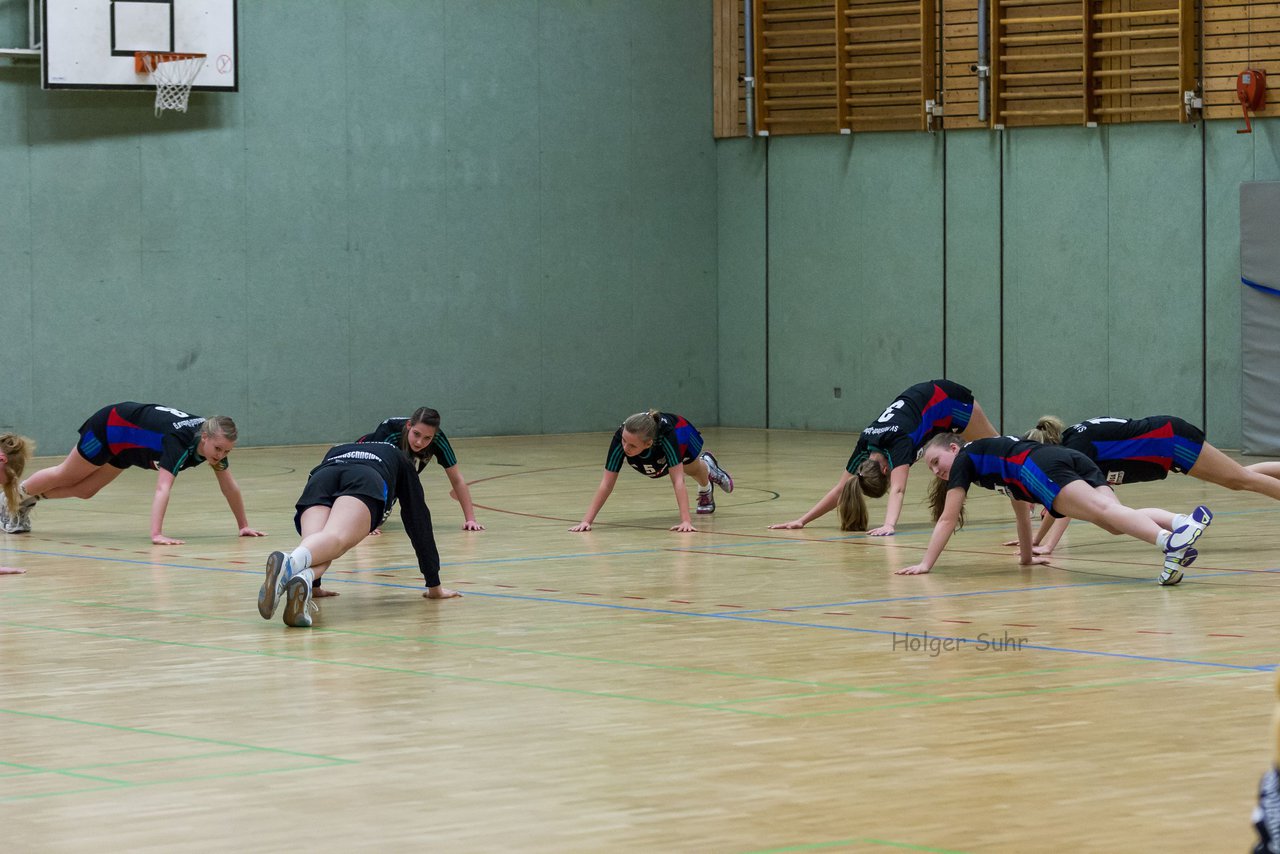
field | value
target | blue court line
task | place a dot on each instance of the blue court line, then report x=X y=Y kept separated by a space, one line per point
x=886 y=600
x=737 y=616
x=1263 y=668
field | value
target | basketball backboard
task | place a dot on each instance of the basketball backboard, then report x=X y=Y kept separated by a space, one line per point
x=90 y=44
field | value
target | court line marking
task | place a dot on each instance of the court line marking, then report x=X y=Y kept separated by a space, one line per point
x=744 y=617
x=114 y=785
x=452 y=677
x=825 y=687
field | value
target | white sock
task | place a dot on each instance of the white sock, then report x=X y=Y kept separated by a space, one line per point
x=1162 y=539
x=703 y=490
x=300 y=559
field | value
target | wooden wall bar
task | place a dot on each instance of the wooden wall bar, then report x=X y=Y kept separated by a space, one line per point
x=832 y=66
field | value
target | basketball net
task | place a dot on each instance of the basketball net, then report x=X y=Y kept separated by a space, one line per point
x=173 y=75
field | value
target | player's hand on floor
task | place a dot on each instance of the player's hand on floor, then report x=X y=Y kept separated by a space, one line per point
x=918 y=569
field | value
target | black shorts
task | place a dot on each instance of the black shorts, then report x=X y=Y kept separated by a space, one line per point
x=329 y=483
x=1062 y=466
x=93 y=438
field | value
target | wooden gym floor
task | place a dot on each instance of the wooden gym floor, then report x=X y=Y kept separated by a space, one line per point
x=631 y=689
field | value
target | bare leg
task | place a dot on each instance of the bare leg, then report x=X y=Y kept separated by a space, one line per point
x=1216 y=467
x=1269 y=468
x=61 y=480
x=1101 y=507
x=88 y=487
x=698 y=471
x=330 y=532
x=1163 y=518
x=312 y=523
x=980 y=427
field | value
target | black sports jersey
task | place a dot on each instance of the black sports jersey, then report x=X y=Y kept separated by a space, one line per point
x=915 y=416
x=145 y=435
x=677 y=441
x=1021 y=469
x=1137 y=450
x=400 y=482
x=438 y=448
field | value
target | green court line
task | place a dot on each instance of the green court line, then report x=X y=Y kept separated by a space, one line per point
x=29 y=770
x=165 y=759
x=840 y=843
x=722 y=706
x=453 y=677
x=171 y=781
x=161 y=734
x=835 y=687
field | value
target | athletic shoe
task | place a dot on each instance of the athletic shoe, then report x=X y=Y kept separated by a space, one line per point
x=18 y=522
x=718 y=476
x=707 y=501
x=21 y=523
x=278 y=572
x=1266 y=815
x=1187 y=529
x=1173 y=563
x=298 y=605
x=5 y=519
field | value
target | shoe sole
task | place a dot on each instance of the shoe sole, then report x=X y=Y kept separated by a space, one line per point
x=705 y=511
x=297 y=594
x=1200 y=519
x=724 y=481
x=268 y=595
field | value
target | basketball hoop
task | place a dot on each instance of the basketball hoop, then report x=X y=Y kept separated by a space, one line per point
x=173 y=74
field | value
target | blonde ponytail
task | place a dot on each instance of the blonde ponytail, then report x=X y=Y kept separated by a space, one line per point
x=1048 y=430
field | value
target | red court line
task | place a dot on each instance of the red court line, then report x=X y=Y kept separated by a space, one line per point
x=1148 y=632
x=887 y=617
x=1082 y=629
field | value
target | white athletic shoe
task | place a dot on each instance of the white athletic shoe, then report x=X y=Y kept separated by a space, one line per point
x=18 y=522
x=1187 y=529
x=718 y=476
x=1173 y=563
x=278 y=572
x=706 y=501
x=298 y=606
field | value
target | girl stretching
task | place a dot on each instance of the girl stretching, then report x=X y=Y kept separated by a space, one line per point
x=1066 y=482
x=659 y=444
x=144 y=435
x=885 y=451
x=1141 y=450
